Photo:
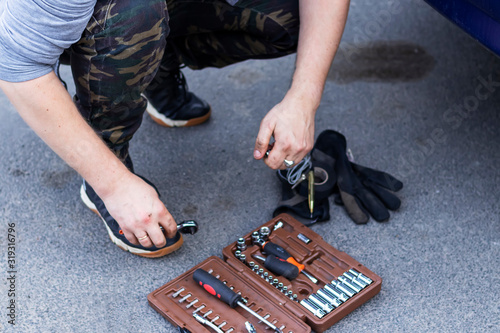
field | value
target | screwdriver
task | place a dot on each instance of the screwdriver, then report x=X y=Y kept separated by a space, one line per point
x=218 y=289
x=278 y=251
x=279 y=266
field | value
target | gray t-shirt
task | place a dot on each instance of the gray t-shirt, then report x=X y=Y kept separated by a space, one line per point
x=34 y=33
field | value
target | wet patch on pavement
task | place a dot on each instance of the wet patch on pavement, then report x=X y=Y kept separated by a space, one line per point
x=381 y=61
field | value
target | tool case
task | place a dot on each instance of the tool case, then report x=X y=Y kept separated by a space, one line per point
x=343 y=285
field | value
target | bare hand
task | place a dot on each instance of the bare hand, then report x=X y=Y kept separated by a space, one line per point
x=135 y=205
x=291 y=123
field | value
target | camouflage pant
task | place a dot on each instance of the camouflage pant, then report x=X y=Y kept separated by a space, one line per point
x=123 y=44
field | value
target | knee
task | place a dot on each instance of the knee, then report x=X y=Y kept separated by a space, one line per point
x=284 y=29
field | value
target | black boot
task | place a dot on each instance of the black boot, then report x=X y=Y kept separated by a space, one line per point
x=170 y=103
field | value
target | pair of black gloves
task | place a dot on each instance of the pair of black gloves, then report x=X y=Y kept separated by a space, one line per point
x=363 y=191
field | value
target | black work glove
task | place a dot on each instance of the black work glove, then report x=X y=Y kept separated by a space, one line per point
x=362 y=191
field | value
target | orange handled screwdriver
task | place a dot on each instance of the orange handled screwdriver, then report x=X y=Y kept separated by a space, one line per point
x=278 y=251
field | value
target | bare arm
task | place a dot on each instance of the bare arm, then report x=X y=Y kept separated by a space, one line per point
x=291 y=122
x=48 y=109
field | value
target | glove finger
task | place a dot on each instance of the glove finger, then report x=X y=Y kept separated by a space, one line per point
x=373 y=204
x=379 y=177
x=354 y=208
x=390 y=200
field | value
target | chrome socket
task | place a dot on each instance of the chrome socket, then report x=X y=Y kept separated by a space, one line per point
x=304 y=238
x=355 y=280
x=360 y=276
x=345 y=289
x=255 y=237
x=314 y=309
x=243 y=258
x=349 y=283
x=321 y=302
x=329 y=297
x=336 y=292
x=264 y=233
x=241 y=244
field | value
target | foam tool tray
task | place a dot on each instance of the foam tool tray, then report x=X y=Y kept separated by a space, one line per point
x=295 y=304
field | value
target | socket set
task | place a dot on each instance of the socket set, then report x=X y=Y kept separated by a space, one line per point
x=283 y=272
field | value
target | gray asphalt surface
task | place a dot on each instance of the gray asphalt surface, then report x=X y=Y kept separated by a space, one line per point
x=399 y=91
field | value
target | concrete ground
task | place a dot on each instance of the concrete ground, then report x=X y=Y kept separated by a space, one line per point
x=408 y=91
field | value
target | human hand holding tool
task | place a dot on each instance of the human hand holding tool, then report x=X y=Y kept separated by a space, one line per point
x=218 y=289
x=291 y=124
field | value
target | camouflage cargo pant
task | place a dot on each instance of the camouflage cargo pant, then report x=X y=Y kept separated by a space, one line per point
x=123 y=44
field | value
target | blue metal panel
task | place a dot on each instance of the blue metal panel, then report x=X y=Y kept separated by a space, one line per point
x=479 y=18
x=491 y=7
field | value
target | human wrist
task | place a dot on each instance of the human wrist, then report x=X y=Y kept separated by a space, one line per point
x=308 y=96
x=110 y=178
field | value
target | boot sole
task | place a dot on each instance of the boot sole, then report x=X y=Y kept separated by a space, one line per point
x=120 y=243
x=160 y=119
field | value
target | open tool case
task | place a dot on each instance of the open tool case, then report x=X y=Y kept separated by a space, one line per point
x=179 y=298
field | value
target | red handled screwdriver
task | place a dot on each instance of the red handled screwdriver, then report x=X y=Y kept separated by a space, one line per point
x=215 y=287
x=278 y=251
x=279 y=266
